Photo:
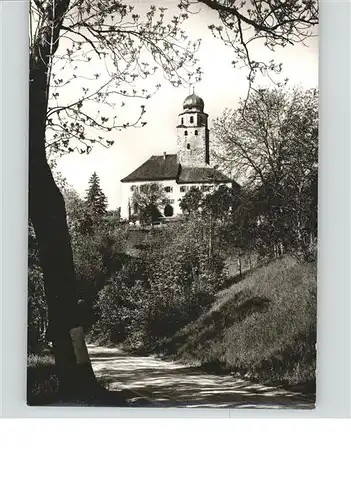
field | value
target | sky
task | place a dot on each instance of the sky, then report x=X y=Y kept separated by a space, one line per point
x=221 y=87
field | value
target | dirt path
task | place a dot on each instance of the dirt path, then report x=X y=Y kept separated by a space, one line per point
x=170 y=384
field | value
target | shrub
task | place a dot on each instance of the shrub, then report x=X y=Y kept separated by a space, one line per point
x=122 y=311
x=97 y=256
x=154 y=296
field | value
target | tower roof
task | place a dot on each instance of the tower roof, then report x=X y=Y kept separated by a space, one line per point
x=193 y=101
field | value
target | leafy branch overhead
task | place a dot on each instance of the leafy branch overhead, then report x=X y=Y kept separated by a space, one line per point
x=275 y=23
x=124 y=48
x=105 y=50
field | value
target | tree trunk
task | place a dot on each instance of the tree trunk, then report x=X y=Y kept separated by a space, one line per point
x=48 y=215
x=47 y=212
x=239 y=266
x=210 y=241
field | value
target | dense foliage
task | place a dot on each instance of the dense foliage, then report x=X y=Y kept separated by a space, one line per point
x=146 y=202
x=97 y=242
x=270 y=143
x=157 y=293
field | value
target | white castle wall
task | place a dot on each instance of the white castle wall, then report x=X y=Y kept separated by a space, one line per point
x=176 y=194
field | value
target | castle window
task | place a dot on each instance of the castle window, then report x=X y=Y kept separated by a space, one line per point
x=183 y=189
x=191 y=119
x=196 y=132
x=169 y=189
x=188 y=146
x=182 y=121
x=186 y=132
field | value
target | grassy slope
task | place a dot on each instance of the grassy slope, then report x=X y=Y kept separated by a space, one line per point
x=263 y=327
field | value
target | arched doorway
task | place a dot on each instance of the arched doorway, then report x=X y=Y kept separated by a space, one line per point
x=168 y=211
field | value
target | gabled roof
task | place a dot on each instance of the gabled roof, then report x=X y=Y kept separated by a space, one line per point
x=166 y=167
x=156 y=168
x=196 y=175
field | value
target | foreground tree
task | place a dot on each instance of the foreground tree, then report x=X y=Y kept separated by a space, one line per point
x=71 y=33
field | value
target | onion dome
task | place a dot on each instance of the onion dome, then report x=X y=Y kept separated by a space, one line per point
x=193 y=101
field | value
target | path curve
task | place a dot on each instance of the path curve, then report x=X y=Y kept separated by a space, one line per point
x=169 y=384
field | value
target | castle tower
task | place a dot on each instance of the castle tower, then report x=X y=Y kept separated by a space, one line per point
x=192 y=134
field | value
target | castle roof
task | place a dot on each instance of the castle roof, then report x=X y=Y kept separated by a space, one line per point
x=198 y=175
x=166 y=167
x=156 y=168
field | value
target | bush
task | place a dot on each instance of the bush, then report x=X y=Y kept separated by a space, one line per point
x=158 y=294
x=97 y=256
x=122 y=311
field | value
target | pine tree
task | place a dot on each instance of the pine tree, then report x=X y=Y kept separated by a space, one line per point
x=96 y=201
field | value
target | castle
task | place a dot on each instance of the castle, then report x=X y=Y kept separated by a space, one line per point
x=177 y=173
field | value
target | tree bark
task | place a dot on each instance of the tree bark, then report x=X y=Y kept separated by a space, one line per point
x=48 y=215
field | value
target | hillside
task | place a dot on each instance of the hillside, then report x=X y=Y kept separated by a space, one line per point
x=263 y=327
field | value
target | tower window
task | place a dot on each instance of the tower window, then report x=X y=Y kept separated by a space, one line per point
x=196 y=132
x=186 y=132
x=182 y=121
x=188 y=146
x=191 y=119
x=168 y=189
